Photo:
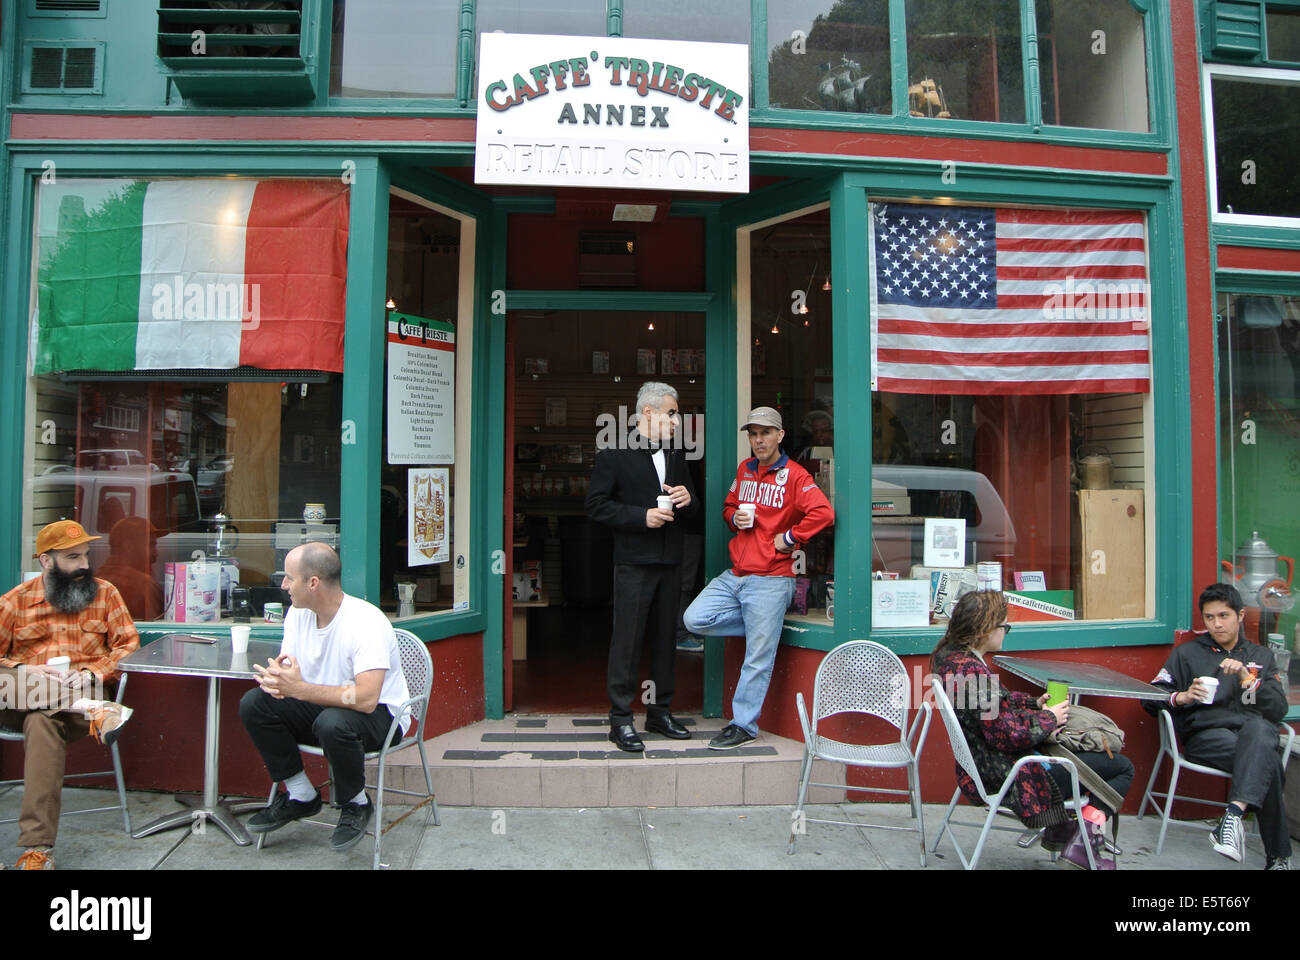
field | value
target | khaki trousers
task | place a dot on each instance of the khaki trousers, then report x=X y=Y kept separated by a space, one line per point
x=36 y=704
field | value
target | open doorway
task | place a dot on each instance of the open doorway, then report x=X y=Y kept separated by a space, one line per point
x=575 y=378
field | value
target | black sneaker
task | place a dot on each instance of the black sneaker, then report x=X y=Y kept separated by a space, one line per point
x=282 y=810
x=352 y=825
x=1279 y=863
x=1229 y=837
x=730 y=738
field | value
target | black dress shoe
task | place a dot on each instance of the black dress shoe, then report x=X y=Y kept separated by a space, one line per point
x=668 y=726
x=624 y=737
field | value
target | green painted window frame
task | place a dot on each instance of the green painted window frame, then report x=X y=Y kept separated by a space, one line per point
x=1156 y=31
x=848 y=192
x=363 y=383
x=1244 y=282
x=1157 y=35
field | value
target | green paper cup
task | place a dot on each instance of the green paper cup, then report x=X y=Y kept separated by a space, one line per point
x=1057 y=692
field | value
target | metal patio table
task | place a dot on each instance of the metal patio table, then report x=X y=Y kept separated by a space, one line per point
x=216 y=661
x=1084 y=679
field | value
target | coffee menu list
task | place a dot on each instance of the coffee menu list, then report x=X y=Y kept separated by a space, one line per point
x=421 y=390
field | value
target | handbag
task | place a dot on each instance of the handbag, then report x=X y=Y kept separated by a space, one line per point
x=1090 y=731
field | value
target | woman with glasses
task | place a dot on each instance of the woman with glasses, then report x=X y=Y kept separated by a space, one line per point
x=1003 y=725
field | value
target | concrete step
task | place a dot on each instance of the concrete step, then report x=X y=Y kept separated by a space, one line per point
x=567 y=761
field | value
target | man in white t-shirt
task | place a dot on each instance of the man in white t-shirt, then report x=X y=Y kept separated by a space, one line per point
x=337 y=684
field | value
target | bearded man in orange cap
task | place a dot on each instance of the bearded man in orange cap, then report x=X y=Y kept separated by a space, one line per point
x=82 y=624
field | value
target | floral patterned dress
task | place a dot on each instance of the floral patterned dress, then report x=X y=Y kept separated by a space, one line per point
x=1001 y=726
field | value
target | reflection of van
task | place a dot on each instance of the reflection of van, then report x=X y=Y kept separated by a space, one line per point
x=897 y=542
x=100 y=498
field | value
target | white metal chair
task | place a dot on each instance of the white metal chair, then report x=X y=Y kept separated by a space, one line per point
x=863 y=677
x=417 y=667
x=16 y=736
x=961 y=751
x=1169 y=748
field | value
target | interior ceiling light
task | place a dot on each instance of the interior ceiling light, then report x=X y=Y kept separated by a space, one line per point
x=391 y=304
x=651 y=325
x=827 y=284
x=774 y=328
x=803 y=308
x=635 y=212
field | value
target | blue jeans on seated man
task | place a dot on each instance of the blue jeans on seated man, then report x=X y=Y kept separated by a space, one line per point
x=753 y=607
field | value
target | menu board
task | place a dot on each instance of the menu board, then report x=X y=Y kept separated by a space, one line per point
x=421 y=390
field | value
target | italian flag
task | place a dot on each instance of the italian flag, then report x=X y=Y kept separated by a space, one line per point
x=158 y=274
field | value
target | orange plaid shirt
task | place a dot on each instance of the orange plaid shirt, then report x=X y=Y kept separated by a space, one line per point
x=32 y=631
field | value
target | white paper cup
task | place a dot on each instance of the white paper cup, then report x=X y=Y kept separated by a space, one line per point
x=747 y=509
x=239 y=638
x=664 y=502
x=1211 y=684
x=60 y=663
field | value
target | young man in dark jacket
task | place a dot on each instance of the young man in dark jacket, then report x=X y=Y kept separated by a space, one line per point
x=625 y=485
x=784 y=510
x=1237 y=730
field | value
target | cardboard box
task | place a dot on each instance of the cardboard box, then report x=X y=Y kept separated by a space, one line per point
x=192 y=592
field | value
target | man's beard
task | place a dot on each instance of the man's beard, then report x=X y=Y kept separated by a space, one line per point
x=71 y=593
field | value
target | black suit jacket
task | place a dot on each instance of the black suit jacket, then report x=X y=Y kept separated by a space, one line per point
x=624 y=485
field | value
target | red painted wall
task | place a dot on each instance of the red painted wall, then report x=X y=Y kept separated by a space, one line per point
x=162 y=746
x=544 y=252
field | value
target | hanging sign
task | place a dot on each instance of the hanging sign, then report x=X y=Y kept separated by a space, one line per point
x=421 y=390
x=612 y=112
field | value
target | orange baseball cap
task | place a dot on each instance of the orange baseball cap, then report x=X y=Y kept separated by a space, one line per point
x=61 y=535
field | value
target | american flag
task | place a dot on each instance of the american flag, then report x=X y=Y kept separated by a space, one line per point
x=977 y=300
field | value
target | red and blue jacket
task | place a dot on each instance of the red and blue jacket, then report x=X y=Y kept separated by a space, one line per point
x=790 y=505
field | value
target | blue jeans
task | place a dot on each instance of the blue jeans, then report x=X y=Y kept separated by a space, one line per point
x=753 y=607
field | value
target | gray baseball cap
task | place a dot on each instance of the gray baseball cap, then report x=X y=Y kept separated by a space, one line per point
x=763 y=417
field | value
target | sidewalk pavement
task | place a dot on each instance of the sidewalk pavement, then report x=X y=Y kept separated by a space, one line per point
x=607 y=838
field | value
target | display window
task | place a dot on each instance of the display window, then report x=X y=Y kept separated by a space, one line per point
x=791 y=369
x=1010 y=412
x=1259 y=444
x=1253 y=178
x=425 y=478
x=1093 y=64
x=185 y=383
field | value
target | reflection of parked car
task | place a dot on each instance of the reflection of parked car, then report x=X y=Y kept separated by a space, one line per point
x=212 y=480
x=100 y=498
x=105 y=459
x=898 y=542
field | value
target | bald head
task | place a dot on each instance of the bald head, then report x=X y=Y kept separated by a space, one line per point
x=318 y=560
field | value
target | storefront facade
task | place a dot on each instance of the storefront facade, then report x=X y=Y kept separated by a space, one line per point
x=1065 y=142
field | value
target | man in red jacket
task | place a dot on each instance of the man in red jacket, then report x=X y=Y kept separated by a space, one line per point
x=784 y=509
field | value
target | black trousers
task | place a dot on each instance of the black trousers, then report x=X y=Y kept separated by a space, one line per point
x=645 y=608
x=1253 y=756
x=1117 y=771
x=276 y=727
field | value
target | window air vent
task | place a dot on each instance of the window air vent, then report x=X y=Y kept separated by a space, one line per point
x=68 y=8
x=240 y=52
x=1236 y=29
x=52 y=68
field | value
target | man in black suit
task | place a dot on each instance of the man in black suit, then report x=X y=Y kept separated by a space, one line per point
x=625 y=486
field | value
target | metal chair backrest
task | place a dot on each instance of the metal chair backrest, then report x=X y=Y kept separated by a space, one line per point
x=417 y=668
x=861 y=676
x=957 y=736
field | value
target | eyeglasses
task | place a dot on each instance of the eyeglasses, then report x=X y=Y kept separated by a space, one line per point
x=1006 y=627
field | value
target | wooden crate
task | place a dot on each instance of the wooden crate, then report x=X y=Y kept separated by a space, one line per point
x=1112 y=555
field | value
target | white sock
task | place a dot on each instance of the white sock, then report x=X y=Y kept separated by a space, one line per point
x=360 y=799
x=300 y=788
